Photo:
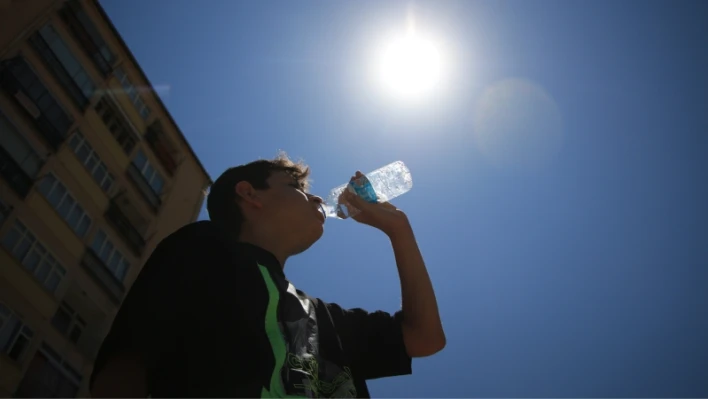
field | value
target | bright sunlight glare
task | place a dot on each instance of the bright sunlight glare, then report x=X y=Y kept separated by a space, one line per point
x=410 y=66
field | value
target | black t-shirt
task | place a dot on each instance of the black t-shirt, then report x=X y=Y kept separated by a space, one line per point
x=215 y=318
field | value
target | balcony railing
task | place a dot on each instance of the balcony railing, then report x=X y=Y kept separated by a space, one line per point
x=20 y=82
x=57 y=68
x=144 y=187
x=117 y=124
x=99 y=272
x=18 y=180
x=47 y=378
x=125 y=227
x=158 y=143
x=88 y=36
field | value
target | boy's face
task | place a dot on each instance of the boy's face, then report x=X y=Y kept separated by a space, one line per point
x=295 y=214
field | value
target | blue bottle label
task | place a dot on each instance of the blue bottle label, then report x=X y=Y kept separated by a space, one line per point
x=362 y=187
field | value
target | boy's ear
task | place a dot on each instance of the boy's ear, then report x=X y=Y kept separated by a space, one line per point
x=247 y=194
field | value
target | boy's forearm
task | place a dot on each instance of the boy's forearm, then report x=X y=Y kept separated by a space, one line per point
x=422 y=327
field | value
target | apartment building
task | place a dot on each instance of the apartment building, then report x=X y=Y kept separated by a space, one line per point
x=94 y=172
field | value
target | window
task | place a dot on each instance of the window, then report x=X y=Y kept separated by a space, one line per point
x=65 y=204
x=151 y=175
x=127 y=222
x=15 y=337
x=63 y=364
x=165 y=150
x=23 y=245
x=18 y=148
x=49 y=376
x=51 y=119
x=68 y=322
x=63 y=64
x=91 y=161
x=133 y=93
x=111 y=257
x=116 y=125
x=88 y=36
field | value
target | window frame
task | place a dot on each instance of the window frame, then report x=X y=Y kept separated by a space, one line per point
x=133 y=93
x=22 y=331
x=58 y=57
x=112 y=252
x=48 y=114
x=41 y=254
x=62 y=365
x=87 y=34
x=31 y=149
x=66 y=195
x=77 y=142
x=75 y=321
x=113 y=118
x=144 y=172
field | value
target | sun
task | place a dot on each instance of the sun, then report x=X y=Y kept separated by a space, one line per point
x=410 y=66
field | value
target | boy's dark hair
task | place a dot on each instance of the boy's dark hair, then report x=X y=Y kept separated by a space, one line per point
x=222 y=201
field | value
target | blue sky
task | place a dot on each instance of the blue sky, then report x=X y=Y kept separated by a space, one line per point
x=559 y=172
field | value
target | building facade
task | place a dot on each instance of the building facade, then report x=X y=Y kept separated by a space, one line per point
x=94 y=172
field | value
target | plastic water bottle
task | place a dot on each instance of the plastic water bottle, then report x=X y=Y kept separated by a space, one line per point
x=381 y=185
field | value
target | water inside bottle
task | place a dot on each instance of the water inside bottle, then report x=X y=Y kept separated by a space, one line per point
x=381 y=185
x=333 y=208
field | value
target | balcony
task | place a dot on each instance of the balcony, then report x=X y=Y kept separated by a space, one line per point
x=19 y=80
x=98 y=271
x=88 y=36
x=118 y=124
x=80 y=95
x=81 y=321
x=162 y=147
x=126 y=228
x=47 y=378
x=13 y=174
x=144 y=187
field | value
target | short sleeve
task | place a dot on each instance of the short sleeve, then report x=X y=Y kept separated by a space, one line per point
x=372 y=341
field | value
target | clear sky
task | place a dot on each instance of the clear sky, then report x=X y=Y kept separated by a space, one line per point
x=560 y=170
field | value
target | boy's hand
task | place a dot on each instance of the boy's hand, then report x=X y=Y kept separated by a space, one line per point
x=383 y=215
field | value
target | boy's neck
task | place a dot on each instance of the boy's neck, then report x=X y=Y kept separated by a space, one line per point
x=266 y=242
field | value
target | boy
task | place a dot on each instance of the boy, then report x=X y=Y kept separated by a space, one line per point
x=212 y=314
